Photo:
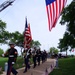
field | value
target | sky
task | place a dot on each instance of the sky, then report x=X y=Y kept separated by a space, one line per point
x=35 y=11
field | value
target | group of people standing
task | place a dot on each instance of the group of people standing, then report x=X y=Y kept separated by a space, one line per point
x=37 y=55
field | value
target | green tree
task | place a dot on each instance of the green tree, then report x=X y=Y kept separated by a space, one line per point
x=1 y=52
x=4 y=35
x=2 y=30
x=18 y=39
x=35 y=43
x=2 y=26
x=53 y=50
x=68 y=18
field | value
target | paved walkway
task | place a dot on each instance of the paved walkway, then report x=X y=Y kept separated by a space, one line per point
x=46 y=67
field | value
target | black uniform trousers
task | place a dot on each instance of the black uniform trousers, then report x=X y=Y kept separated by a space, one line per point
x=34 y=61
x=27 y=65
x=38 y=59
x=11 y=69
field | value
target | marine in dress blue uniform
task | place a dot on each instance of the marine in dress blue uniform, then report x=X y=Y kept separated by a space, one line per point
x=38 y=56
x=12 y=56
x=34 y=53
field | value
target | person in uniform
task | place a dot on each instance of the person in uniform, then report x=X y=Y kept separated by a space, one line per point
x=42 y=56
x=34 y=57
x=27 y=56
x=12 y=56
x=38 y=56
x=45 y=55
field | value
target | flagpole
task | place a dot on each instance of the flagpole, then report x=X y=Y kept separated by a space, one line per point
x=24 y=34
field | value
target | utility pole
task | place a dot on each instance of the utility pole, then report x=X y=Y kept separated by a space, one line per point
x=6 y=4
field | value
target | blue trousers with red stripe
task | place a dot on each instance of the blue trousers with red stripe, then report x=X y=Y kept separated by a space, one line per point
x=11 y=69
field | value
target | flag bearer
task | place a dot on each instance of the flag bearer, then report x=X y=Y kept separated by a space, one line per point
x=26 y=59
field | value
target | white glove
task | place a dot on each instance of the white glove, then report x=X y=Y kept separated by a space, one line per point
x=13 y=62
x=3 y=55
x=27 y=53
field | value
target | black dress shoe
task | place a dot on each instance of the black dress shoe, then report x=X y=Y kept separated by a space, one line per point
x=16 y=73
x=34 y=67
x=28 y=67
x=24 y=71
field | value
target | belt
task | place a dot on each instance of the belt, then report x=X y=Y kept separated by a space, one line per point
x=13 y=62
x=11 y=56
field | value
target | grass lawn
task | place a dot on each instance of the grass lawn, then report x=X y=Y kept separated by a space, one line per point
x=2 y=62
x=66 y=67
x=19 y=61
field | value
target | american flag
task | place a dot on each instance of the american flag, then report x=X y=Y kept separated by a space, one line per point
x=27 y=35
x=54 y=9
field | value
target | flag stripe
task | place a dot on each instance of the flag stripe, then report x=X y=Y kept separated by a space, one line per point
x=51 y=15
x=60 y=6
x=54 y=9
x=48 y=17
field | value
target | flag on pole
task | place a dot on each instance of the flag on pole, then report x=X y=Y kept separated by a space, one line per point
x=54 y=9
x=27 y=35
